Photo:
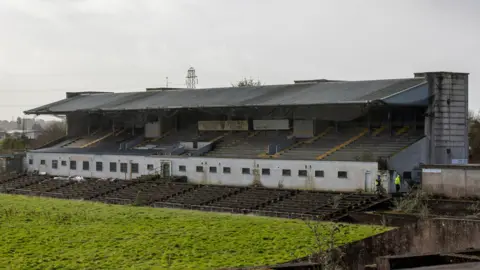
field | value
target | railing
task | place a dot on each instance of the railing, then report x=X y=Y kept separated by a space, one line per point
x=117 y=201
x=343 y=145
x=208 y=208
x=97 y=140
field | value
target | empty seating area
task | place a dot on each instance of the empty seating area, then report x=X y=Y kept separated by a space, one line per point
x=87 y=189
x=371 y=148
x=203 y=195
x=21 y=182
x=172 y=138
x=321 y=145
x=162 y=193
x=302 y=202
x=47 y=185
x=10 y=177
x=145 y=193
x=247 y=144
x=85 y=140
x=252 y=198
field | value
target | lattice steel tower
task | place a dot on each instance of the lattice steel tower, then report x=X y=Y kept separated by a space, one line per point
x=191 y=79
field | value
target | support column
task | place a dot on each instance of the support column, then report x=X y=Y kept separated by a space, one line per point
x=369 y=123
x=88 y=127
x=390 y=122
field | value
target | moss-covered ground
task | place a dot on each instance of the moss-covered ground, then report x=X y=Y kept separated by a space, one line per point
x=41 y=233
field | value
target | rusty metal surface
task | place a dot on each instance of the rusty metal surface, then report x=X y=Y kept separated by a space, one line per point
x=272 y=95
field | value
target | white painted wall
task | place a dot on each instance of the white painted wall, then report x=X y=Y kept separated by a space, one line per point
x=303 y=128
x=356 y=171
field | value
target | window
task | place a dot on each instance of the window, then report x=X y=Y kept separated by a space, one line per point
x=86 y=166
x=123 y=167
x=213 y=169
x=150 y=167
x=342 y=174
x=54 y=164
x=73 y=165
x=134 y=167
x=245 y=171
x=227 y=170
x=113 y=167
x=199 y=169
x=99 y=166
x=265 y=171
x=42 y=162
x=182 y=168
x=319 y=174
x=64 y=163
x=286 y=172
x=30 y=161
x=302 y=172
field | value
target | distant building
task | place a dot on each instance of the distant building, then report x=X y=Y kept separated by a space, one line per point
x=18 y=133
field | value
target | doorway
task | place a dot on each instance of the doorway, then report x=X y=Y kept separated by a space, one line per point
x=166 y=169
x=368 y=181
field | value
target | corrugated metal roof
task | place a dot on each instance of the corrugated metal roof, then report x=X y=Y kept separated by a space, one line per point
x=271 y=95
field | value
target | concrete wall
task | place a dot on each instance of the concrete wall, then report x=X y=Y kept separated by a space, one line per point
x=447 y=124
x=408 y=158
x=428 y=236
x=303 y=128
x=360 y=175
x=455 y=181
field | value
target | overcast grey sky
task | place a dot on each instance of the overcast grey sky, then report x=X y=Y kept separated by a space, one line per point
x=52 y=46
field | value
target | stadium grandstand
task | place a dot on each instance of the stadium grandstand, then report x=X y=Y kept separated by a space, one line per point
x=311 y=135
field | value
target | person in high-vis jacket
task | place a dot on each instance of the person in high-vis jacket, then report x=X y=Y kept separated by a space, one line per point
x=378 y=184
x=397 y=183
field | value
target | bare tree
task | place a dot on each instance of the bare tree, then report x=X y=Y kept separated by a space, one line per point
x=50 y=133
x=325 y=250
x=247 y=83
x=474 y=135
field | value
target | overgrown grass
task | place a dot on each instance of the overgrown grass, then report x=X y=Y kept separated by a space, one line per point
x=40 y=233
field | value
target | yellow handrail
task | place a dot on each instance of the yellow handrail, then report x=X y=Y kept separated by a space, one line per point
x=340 y=146
x=279 y=153
x=97 y=140
x=402 y=130
x=379 y=130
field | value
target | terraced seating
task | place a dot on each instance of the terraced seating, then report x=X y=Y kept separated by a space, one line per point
x=247 y=145
x=301 y=202
x=86 y=140
x=87 y=189
x=10 y=177
x=21 y=182
x=381 y=146
x=203 y=195
x=145 y=193
x=252 y=198
x=341 y=204
x=161 y=193
x=47 y=185
x=207 y=136
x=322 y=145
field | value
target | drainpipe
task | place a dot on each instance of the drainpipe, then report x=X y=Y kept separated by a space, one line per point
x=130 y=165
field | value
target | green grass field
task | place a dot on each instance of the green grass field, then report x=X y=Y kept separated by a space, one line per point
x=38 y=233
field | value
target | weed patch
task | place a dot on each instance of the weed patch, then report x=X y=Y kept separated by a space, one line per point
x=40 y=233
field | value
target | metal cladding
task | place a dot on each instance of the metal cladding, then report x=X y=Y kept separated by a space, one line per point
x=330 y=92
